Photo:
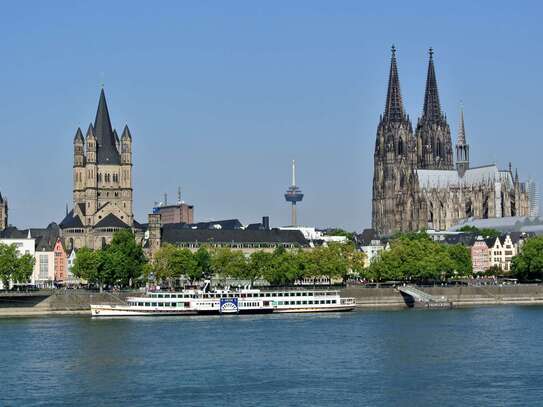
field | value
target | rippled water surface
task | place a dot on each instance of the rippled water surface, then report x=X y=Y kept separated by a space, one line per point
x=478 y=357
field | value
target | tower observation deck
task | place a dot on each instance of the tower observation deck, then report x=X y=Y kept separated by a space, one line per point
x=294 y=194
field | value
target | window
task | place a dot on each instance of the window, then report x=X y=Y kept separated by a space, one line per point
x=44 y=267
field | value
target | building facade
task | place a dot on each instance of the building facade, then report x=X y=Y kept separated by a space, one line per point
x=533 y=195
x=416 y=183
x=3 y=212
x=178 y=213
x=61 y=263
x=102 y=184
x=480 y=256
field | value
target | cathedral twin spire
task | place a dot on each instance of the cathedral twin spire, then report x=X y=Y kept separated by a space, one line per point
x=432 y=109
x=394 y=111
x=433 y=139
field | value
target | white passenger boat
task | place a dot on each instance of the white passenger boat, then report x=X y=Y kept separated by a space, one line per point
x=242 y=301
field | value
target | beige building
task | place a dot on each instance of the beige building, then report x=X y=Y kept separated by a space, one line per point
x=102 y=184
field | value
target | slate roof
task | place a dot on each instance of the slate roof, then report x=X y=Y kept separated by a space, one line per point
x=229 y=224
x=505 y=224
x=106 y=151
x=175 y=234
x=111 y=221
x=367 y=236
x=472 y=176
x=465 y=239
x=45 y=237
x=71 y=221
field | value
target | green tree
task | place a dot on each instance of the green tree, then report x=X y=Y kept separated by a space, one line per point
x=258 y=265
x=184 y=264
x=124 y=258
x=203 y=261
x=461 y=257
x=90 y=265
x=415 y=257
x=25 y=266
x=528 y=264
x=13 y=267
x=162 y=266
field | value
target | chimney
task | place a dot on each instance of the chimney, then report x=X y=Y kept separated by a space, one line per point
x=266 y=222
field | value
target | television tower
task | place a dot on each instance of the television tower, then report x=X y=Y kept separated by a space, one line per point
x=294 y=194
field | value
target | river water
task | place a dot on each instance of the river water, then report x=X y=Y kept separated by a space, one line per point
x=475 y=357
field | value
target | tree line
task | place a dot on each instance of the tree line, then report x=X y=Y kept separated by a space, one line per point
x=280 y=267
x=122 y=263
x=416 y=257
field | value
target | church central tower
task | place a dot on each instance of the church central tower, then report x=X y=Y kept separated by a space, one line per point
x=102 y=192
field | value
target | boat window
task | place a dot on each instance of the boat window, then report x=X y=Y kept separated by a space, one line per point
x=159 y=295
x=298 y=302
x=140 y=304
x=328 y=301
x=274 y=294
x=322 y=301
x=310 y=302
x=304 y=294
x=153 y=304
x=166 y=295
x=304 y=302
x=160 y=304
x=310 y=294
x=333 y=301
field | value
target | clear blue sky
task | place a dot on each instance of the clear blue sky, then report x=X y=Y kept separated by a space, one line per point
x=221 y=96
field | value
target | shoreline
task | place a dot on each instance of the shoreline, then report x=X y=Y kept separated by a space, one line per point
x=367 y=299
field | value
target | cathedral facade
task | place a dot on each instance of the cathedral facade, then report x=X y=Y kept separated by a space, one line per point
x=102 y=184
x=416 y=183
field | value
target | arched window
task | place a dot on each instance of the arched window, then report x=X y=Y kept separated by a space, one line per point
x=400 y=146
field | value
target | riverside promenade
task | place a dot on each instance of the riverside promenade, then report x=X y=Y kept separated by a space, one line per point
x=61 y=302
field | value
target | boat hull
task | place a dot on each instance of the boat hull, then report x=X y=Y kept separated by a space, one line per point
x=313 y=310
x=105 y=311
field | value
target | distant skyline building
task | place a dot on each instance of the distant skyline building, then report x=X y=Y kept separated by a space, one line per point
x=180 y=212
x=294 y=195
x=3 y=212
x=533 y=197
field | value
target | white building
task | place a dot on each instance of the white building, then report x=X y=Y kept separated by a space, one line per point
x=44 y=270
x=312 y=234
x=533 y=198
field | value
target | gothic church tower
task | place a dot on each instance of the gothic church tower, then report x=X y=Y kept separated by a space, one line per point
x=433 y=135
x=102 y=183
x=394 y=160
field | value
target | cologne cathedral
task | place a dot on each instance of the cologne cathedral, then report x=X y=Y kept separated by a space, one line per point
x=416 y=183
